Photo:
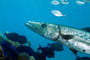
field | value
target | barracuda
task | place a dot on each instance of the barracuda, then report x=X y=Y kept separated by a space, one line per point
x=75 y=39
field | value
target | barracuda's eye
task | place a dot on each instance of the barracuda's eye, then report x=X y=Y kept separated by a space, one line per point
x=43 y=25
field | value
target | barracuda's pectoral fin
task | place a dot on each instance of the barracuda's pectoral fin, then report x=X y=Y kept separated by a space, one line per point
x=67 y=37
x=86 y=29
x=74 y=51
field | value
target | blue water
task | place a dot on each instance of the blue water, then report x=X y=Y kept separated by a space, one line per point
x=15 y=13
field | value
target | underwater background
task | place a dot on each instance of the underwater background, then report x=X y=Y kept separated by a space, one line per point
x=15 y=13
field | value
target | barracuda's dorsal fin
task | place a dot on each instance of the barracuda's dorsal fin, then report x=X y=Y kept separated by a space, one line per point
x=86 y=29
x=74 y=51
x=67 y=37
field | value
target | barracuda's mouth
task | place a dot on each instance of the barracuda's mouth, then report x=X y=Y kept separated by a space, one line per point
x=29 y=24
x=34 y=26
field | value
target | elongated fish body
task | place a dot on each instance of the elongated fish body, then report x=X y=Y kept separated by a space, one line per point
x=73 y=38
x=80 y=41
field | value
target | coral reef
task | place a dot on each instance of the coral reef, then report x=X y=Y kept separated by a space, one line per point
x=1 y=54
x=23 y=56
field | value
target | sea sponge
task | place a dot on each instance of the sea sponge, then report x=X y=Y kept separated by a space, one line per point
x=15 y=44
x=32 y=58
x=23 y=56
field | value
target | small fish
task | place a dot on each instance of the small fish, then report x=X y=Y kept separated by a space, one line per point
x=55 y=2
x=12 y=36
x=39 y=56
x=65 y=2
x=16 y=37
x=57 y=13
x=9 y=51
x=82 y=58
x=56 y=46
x=22 y=39
x=26 y=49
x=80 y=2
x=47 y=51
